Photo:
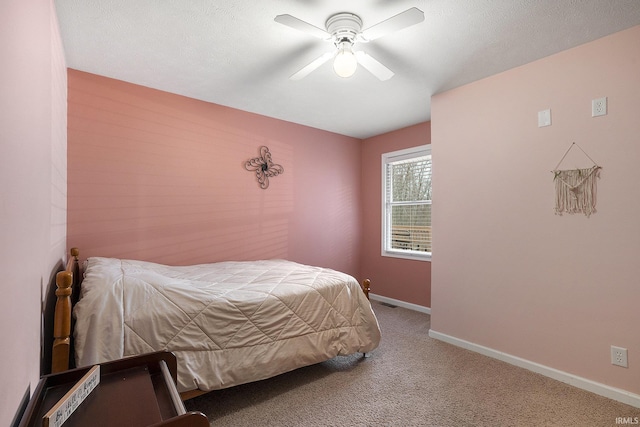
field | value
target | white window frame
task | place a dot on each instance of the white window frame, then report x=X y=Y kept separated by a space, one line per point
x=391 y=157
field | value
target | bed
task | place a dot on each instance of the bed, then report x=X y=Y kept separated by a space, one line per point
x=228 y=323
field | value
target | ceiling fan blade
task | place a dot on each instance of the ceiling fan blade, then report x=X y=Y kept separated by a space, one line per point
x=402 y=20
x=373 y=66
x=307 y=69
x=300 y=25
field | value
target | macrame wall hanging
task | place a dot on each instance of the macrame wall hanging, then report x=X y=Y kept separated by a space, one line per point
x=576 y=189
x=264 y=167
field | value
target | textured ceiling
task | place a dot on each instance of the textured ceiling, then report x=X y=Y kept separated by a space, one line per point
x=232 y=52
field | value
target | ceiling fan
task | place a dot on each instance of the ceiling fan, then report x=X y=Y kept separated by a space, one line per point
x=344 y=30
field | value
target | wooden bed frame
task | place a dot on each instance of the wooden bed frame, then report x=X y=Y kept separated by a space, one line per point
x=67 y=292
x=68 y=284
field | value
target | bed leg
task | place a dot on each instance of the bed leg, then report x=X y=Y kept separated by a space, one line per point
x=366 y=287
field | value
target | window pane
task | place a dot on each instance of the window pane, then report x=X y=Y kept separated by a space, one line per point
x=411 y=227
x=410 y=180
x=406 y=204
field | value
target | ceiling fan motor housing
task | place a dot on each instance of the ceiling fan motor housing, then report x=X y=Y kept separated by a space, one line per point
x=344 y=27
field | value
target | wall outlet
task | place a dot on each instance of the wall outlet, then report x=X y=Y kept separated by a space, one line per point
x=619 y=356
x=599 y=107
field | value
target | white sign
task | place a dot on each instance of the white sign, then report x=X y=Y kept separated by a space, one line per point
x=74 y=397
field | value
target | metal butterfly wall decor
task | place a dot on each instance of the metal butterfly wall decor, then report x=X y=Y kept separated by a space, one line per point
x=263 y=167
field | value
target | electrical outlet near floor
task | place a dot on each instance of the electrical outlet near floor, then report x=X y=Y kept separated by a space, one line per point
x=619 y=356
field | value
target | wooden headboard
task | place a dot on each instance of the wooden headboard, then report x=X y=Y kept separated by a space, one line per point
x=67 y=292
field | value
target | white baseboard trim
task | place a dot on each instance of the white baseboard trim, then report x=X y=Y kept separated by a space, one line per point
x=565 y=377
x=410 y=306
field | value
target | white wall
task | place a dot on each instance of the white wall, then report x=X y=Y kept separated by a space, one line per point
x=510 y=275
x=32 y=185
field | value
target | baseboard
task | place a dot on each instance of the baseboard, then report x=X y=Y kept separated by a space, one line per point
x=574 y=380
x=410 y=306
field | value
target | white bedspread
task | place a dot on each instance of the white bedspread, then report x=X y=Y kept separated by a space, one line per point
x=228 y=323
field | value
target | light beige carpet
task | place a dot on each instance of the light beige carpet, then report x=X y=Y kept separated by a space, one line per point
x=410 y=380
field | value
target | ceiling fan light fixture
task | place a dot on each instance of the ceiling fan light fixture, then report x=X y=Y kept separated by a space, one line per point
x=344 y=30
x=345 y=62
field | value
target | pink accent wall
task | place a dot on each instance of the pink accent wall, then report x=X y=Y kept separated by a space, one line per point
x=401 y=279
x=33 y=189
x=509 y=274
x=161 y=177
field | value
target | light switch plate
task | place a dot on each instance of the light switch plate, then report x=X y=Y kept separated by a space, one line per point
x=544 y=118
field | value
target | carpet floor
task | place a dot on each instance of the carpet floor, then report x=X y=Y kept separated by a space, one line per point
x=410 y=380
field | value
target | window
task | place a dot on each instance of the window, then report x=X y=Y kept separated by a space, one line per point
x=406 y=203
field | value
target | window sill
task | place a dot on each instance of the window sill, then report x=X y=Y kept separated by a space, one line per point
x=407 y=255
